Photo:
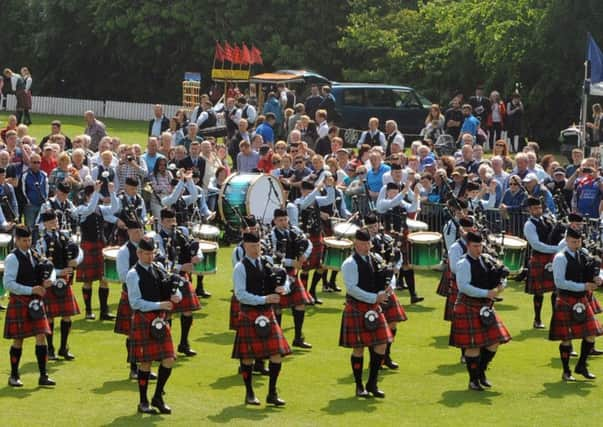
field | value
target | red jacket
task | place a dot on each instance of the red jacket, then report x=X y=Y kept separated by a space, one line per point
x=503 y=113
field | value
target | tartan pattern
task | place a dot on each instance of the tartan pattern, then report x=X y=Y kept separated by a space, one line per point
x=564 y=327
x=248 y=345
x=594 y=302
x=189 y=302
x=539 y=281
x=235 y=308
x=143 y=347
x=58 y=307
x=354 y=334
x=17 y=323
x=453 y=292
x=298 y=295
x=393 y=310
x=123 y=319
x=314 y=261
x=467 y=330
x=92 y=267
x=442 y=289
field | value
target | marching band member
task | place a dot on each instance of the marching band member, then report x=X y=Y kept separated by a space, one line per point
x=474 y=194
x=25 y=315
x=178 y=200
x=457 y=208
x=476 y=327
x=62 y=207
x=131 y=205
x=258 y=333
x=59 y=299
x=205 y=215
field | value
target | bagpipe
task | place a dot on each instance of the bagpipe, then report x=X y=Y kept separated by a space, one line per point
x=296 y=245
x=496 y=270
x=387 y=247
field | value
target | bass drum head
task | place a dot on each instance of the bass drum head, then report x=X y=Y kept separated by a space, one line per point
x=264 y=196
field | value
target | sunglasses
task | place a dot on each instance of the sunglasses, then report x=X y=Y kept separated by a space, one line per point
x=298 y=162
x=513 y=183
x=35 y=162
x=500 y=145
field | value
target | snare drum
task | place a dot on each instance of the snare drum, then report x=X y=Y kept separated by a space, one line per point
x=206 y=232
x=208 y=264
x=414 y=225
x=336 y=251
x=2 y=291
x=347 y=230
x=425 y=249
x=256 y=194
x=110 y=265
x=514 y=251
x=5 y=246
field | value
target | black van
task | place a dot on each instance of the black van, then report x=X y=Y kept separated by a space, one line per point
x=355 y=103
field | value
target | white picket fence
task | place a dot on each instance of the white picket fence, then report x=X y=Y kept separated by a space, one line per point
x=77 y=107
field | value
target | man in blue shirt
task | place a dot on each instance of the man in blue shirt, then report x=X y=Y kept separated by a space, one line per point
x=266 y=129
x=374 y=177
x=470 y=122
x=151 y=155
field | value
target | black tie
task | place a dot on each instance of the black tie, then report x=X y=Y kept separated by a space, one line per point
x=257 y=265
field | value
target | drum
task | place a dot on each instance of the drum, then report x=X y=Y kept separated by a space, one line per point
x=336 y=251
x=206 y=232
x=425 y=249
x=110 y=266
x=514 y=251
x=2 y=291
x=414 y=225
x=256 y=194
x=344 y=229
x=5 y=246
x=209 y=263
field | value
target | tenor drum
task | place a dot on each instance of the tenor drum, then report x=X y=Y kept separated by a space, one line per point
x=344 y=229
x=5 y=246
x=514 y=251
x=208 y=264
x=425 y=249
x=414 y=225
x=110 y=265
x=206 y=232
x=256 y=194
x=336 y=251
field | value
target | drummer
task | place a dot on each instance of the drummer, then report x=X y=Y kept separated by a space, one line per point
x=131 y=205
x=204 y=216
x=178 y=200
x=458 y=209
x=63 y=207
x=473 y=195
x=393 y=209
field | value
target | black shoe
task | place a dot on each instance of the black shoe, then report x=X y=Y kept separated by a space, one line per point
x=538 y=324
x=90 y=315
x=521 y=276
x=573 y=353
x=152 y=376
x=390 y=363
x=260 y=368
x=595 y=352
x=583 y=370
x=186 y=350
x=273 y=399
x=145 y=408
x=416 y=299
x=107 y=316
x=334 y=287
x=327 y=289
x=133 y=374
x=202 y=293
x=44 y=380
x=498 y=299
x=2 y=308
x=51 y=354
x=250 y=399
x=65 y=354
x=374 y=390
x=158 y=403
x=301 y=343
x=475 y=386
x=14 y=381
x=463 y=360
x=484 y=381
x=567 y=376
x=317 y=301
x=361 y=392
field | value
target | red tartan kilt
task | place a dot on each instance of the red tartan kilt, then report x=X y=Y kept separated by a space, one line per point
x=453 y=292
x=563 y=325
x=393 y=310
x=123 y=319
x=327 y=227
x=314 y=261
x=17 y=323
x=248 y=345
x=235 y=308
x=444 y=284
x=353 y=332
x=143 y=347
x=58 y=307
x=539 y=281
x=92 y=267
x=467 y=330
x=594 y=302
x=189 y=302
x=298 y=295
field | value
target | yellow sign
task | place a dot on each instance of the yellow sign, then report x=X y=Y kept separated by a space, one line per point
x=227 y=74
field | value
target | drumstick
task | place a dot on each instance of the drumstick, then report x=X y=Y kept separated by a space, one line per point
x=349 y=223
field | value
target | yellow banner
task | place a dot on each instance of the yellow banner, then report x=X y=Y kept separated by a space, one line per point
x=226 y=74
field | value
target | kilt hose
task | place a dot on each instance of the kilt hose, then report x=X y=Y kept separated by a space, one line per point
x=314 y=261
x=451 y=297
x=18 y=324
x=565 y=328
x=467 y=329
x=353 y=332
x=247 y=343
x=92 y=267
x=298 y=294
x=393 y=310
x=143 y=347
x=539 y=280
x=235 y=308
x=594 y=302
x=123 y=319
x=66 y=305
x=444 y=283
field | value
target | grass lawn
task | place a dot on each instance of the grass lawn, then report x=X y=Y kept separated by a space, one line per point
x=429 y=389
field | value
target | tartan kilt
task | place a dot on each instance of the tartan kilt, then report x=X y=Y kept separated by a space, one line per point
x=123 y=319
x=442 y=289
x=298 y=295
x=17 y=323
x=353 y=332
x=564 y=327
x=453 y=292
x=539 y=281
x=58 y=307
x=594 y=302
x=143 y=347
x=235 y=308
x=92 y=267
x=21 y=96
x=189 y=302
x=467 y=330
x=314 y=261
x=248 y=345
x=393 y=310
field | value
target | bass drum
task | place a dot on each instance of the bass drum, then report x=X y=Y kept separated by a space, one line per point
x=250 y=194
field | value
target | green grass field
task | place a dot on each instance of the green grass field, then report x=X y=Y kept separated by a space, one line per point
x=428 y=389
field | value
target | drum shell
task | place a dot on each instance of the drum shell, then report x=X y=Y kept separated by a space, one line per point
x=425 y=249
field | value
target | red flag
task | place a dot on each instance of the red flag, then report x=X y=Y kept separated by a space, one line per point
x=256 y=55
x=227 y=52
x=219 y=54
x=236 y=54
x=245 y=55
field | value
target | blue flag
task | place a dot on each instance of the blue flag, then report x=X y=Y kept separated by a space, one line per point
x=595 y=56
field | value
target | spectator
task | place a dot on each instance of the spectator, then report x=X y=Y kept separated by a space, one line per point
x=434 y=124
x=327 y=103
x=245 y=111
x=307 y=129
x=588 y=193
x=321 y=120
x=514 y=122
x=130 y=166
x=514 y=197
x=499 y=174
x=206 y=116
x=470 y=122
x=265 y=163
x=95 y=129
x=160 y=179
x=212 y=162
x=373 y=136
x=454 y=118
x=577 y=157
x=241 y=135
x=11 y=124
x=394 y=138
x=266 y=129
x=34 y=186
x=486 y=176
x=104 y=145
x=194 y=160
x=496 y=117
x=229 y=111
x=374 y=176
x=521 y=165
x=298 y=111
x=467 y=161
x=191 y=136
x=312 y=101
x=55 y=129
x=286 y=96
x=480 y=105
x=78 y=157
x=159 y=123
x=501 y=149
x=247 y=159
x=105 y=172
x=175 y=131
x=18 y=87
x=49 y=161
x=534 y=167
x=151 y=155
x=63 y=173
x=324 y=144
x=535 y=189
x=28 y=98
x=166 y=143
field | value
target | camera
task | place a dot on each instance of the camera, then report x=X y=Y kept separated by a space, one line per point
x=130 y=158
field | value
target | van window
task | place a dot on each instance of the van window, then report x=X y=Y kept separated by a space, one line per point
x=405 y=99
x=384 y=98
x=353 y=97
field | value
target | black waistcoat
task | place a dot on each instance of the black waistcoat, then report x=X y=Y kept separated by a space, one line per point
x=255 y=283
x=56 y=249
x=151 y=287
x=26 y=274
x=366 y=275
